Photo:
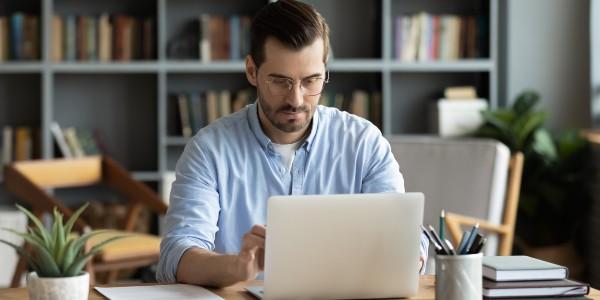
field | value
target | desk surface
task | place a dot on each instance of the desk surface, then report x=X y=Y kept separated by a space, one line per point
x=426 y=291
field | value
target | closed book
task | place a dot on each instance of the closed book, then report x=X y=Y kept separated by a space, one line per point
x=184 y=115
x=148 y=39
x=212 y=104
x=204 y=46
x=81 y=38
x=545 y=288
x=224 y=103
x=92 y=38
x=517 y=268
x=60 y=140
x=23 y=144
x=7 y=145
x=73 y=142
x=4 y=49
x=70 y=38
x=245 y=22
x=234 y=38
x=57 y=38
x=17 y=21
x=104 y=38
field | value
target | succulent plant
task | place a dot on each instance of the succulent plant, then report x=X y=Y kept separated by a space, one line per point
x=55 y=251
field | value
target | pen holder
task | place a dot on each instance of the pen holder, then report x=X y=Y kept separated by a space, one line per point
x=458 y=277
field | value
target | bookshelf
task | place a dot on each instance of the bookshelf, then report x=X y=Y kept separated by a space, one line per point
x=129 y=101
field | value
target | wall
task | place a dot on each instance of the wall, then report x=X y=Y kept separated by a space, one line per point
x=546 y=48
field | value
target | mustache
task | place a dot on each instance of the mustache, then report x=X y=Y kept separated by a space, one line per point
x=292 y=109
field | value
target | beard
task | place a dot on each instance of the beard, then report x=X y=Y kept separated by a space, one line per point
x=288 y=125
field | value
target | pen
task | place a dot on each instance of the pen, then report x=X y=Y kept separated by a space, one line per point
x=474 y=244
x=450 y=247
x=472 y=236
x=443 y=225
x=438 y=240
x=438 y=248
x=480 y=245
x=463 y=241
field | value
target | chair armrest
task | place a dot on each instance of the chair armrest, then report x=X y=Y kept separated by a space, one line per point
x=456 y=221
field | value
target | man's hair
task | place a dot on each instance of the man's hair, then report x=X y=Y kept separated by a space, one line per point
x=293 y=23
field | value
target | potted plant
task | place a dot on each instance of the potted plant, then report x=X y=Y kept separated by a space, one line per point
x=57 y=257
x=553 y=194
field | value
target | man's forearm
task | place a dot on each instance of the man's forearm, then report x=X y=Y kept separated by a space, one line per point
x=202 y=267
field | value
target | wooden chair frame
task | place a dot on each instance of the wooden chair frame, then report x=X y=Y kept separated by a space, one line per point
x=506 y=230
x=29 y=180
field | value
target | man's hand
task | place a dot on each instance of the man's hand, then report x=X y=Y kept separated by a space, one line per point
x=252 y=255
x=421 y=264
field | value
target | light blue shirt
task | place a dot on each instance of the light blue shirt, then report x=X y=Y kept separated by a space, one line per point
x=230 y=168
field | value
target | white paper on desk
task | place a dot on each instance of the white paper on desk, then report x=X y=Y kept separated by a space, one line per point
x=163 y=292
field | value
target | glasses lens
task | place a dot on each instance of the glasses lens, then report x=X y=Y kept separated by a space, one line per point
x=279 y=86
x=313 y=86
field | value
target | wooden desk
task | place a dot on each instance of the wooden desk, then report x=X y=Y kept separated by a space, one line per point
x=426 y=291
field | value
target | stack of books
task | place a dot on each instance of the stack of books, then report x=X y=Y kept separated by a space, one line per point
x=102 y=38
x=524 y=276
x=426 y=37
x=19 y=37
x=198 y=109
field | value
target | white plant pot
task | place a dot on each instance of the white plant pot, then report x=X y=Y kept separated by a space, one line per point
x=59 y=288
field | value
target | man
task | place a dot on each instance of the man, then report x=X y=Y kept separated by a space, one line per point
x=282 y=144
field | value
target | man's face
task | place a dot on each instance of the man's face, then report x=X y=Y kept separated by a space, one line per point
x=291 y=111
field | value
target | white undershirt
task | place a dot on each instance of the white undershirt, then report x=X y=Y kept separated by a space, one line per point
x=288 y=152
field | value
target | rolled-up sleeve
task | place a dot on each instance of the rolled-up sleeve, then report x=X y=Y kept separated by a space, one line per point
x=191 y=220
x=383 y=175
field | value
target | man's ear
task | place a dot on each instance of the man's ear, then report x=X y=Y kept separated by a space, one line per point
x=251 y=70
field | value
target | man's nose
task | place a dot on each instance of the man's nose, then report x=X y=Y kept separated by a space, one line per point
x=296 y=96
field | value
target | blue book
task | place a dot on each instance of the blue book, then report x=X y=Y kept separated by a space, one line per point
x=70 y=38
x=234 y=35
x=16 y=28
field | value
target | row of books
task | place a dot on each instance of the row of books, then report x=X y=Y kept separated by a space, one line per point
x=75 y=143
x=198 y=109
x=103 y=38
x=19 y=143
x=359 y=102
x=427 y=37
x=524 y=276
x=19 y=37
x=213 y=37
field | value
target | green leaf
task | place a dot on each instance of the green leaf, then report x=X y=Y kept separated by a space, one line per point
x=67 y=255
x=544 y=146
x=41 y=229
x=526 y=125
x=525 y=102
x=76 y=267
x=24 y=254
x=45 y=260
x=73 y=218
x=59 y=238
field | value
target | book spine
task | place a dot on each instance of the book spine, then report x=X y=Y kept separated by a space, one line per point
x=57 y=38
x=234 y=41
x=16 y=28
x=7 y=145
x=4 y=39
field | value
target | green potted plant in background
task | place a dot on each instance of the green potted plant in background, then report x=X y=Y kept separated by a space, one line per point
x=553 y=195
x=57 y=257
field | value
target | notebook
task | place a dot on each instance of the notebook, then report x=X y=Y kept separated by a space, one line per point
x=547 y=288
x=519 y=268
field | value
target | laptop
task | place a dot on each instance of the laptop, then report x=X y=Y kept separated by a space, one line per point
x=342 y=246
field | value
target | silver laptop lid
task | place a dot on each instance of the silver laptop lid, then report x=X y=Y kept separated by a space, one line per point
x=343 y=246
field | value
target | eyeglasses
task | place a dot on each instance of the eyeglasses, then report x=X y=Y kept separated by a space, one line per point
x=310 y=86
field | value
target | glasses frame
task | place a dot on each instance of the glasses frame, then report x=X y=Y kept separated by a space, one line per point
x=293 y=83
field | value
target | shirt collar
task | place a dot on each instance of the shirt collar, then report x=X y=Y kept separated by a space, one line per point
x=265 y=141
